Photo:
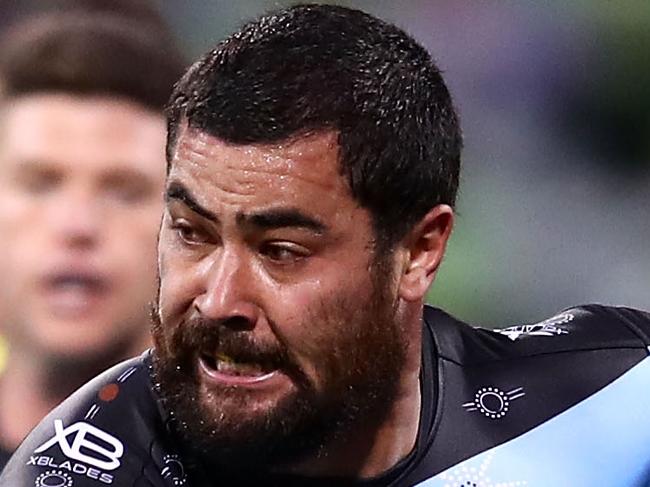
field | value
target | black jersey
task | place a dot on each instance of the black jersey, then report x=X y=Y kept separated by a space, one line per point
x=564 y=402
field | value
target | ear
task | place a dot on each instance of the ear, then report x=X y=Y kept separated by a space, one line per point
x=424 y=247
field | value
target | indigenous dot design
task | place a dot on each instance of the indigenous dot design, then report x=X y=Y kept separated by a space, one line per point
x=547 y=328
x=109 y=392
x=492 y=402
x=465 y=476
x=173 y=471
x=54 y=478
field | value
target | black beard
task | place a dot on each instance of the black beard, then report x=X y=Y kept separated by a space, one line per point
x=361 y=368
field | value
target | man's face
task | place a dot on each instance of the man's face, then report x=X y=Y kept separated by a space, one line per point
x=276 y=320
x=81 y=184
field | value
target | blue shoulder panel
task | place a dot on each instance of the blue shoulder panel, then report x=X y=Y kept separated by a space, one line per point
x=602 y=441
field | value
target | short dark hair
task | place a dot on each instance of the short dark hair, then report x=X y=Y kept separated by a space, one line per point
x=90 y=53
x=317 y=67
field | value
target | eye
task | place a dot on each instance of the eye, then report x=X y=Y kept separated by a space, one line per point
x=40 y=181
x=128 y=187
x=284 y=252
x=189 y=234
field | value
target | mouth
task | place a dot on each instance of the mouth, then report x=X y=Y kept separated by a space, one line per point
x=226 y=370
x=89 y=283
x=74 y=294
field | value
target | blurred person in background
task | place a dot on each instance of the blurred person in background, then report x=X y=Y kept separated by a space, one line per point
x=81 y=176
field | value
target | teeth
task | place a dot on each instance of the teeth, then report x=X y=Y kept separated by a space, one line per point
x=220 y=357
x=226 y=364
x=239 y=368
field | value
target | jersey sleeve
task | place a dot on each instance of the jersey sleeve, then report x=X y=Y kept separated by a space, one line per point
x=104 y=434
x=636 y=320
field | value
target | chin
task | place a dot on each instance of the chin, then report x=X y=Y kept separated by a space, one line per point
x=239 y=407
x=106 y=349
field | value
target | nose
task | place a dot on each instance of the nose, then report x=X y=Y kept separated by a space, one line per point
x=77 y=219
x=227 y=296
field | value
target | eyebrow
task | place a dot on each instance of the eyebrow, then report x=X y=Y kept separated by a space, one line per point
x=281 y=218
x=176 y=191
x=263 y=220
x=128 y=176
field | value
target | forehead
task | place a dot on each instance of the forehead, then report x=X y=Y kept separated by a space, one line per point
x=69 y=129
x=303 y=167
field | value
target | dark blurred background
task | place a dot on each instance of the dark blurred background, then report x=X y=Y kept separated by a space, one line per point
x=555 y=103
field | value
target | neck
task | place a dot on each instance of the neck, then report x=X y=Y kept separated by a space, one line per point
x=370 y=451
x=31 y=386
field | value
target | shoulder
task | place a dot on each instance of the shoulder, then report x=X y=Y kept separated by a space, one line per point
x=580 y=328
x=494 y=386
x=589 y=325
x=102 y=434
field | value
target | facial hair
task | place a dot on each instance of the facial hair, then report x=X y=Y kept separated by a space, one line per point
x=359 y=369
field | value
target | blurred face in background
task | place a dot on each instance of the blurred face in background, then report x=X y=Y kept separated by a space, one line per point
x=81 y=180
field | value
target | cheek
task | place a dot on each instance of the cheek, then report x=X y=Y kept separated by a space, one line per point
x=315 y=319
x=291 y=307
x=168 y=308
x=171 y=289
x=15 y=202
x=327 y=282
x=133 y=235
x=179 y=283
x=25 y=244
x=142 y=223
x=20 y=222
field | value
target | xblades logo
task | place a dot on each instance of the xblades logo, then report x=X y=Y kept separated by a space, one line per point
x=107 y=448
